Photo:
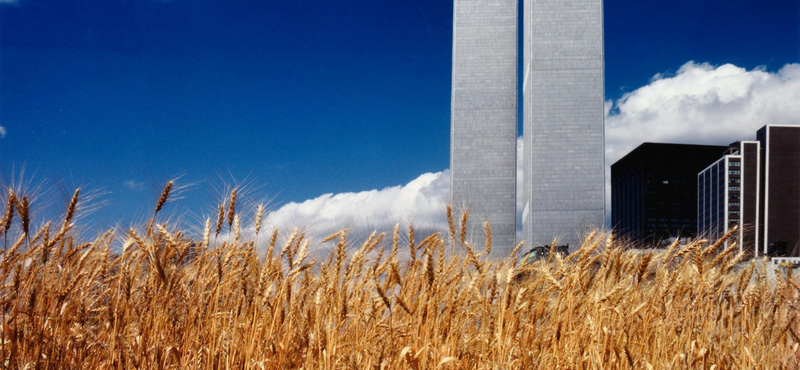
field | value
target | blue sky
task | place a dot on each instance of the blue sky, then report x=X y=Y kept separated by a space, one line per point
x=301 y=98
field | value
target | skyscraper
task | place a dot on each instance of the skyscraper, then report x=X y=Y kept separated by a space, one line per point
x=484 y=117
x=563 y=97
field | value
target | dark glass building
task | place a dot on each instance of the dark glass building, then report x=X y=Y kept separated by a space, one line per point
x=654 y=190
x=780 y=188
x=756 y=186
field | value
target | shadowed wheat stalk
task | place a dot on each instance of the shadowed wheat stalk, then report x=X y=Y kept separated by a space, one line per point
x=168 y=301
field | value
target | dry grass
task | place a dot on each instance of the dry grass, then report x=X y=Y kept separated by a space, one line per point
x=166 y=300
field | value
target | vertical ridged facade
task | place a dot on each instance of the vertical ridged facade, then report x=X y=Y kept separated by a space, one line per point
x=563 y=97
x=484 y=117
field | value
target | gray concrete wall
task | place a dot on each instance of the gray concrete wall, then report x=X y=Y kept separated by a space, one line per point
x=484 y=117
x=563 y=120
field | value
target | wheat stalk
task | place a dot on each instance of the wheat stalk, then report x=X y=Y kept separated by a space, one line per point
x=164 y=195
x=206 y=233
x=23 y=209
x=9 y=215
x=73 y=204
x=463 y=234
x=259 y=215
x=232 y=207
x=450 y=222
x=220 y=218
x=488 y=232
x=236 y=229
x=395 y=241
x=412 y=248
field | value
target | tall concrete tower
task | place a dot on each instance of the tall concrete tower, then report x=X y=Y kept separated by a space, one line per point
x=563 y=96
x=484 y=117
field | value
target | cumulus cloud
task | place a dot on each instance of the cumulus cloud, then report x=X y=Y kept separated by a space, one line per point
x=702 y=104
x=2 y=132
x=421 y=202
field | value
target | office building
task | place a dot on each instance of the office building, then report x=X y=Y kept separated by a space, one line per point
x=563 y=97
x=756 y=187
x=654 y=191
x=727 y=195
x=484 y=117
x=780 y=184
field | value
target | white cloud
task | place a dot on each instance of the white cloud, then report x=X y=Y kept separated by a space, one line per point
x=133 y=185
x=421 y=202
x=702 y=104
x=2 y=132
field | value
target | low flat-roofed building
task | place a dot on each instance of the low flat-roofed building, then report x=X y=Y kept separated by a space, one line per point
x=654 y=191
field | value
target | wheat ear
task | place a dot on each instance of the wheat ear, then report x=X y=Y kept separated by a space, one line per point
x=232 y=207
x=23 y=208
x=411 y=246
x=259 y=215
x=73 y=204
x=463 y=234
x=450 y=222
x=9 y=216
x=164 y=195
x=488 y=231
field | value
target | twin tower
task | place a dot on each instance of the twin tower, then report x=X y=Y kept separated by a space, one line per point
x=563 y=112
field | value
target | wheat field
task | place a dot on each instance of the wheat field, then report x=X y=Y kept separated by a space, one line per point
x=156 y=297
